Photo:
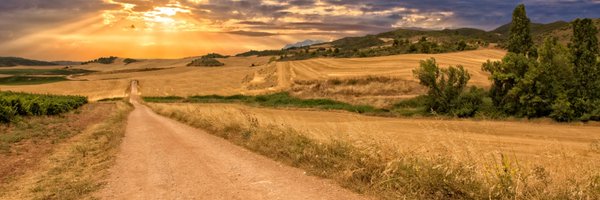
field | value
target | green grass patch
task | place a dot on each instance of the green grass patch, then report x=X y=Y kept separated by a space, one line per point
x=167 y=99
x=276 y=100
x=29 y=80
x=26 y=72
x=111 y=99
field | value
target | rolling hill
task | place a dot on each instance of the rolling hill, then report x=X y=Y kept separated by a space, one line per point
x=16 y=61
x=411 y=40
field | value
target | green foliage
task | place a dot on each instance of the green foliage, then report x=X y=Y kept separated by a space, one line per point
x=520 y=41
x=505 y=75
x=445 y=86
x=102 y=60
x=167 y=99
x=549 y=81
x=468 y=103
x=205 y=62
x=29 y=80
x=13 y=104
x=15 y=61
x=544 y=82
x=282 y=99
x=585 y=51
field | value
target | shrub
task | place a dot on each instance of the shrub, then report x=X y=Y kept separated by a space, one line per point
x=445 y=85
x=206 y=62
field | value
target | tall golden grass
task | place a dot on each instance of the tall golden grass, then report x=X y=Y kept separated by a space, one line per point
x=441 y=166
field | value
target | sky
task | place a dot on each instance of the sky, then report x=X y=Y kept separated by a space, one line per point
x=87 y=29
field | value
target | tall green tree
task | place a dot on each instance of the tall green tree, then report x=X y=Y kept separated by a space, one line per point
x=506 y=75
x=545 y=86
x=584 y=51
x=520 y=41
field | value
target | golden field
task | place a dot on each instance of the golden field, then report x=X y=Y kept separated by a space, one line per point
x=511 y=158
x=160 y=77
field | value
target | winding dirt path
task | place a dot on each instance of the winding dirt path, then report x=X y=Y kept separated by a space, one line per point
x=163 y=159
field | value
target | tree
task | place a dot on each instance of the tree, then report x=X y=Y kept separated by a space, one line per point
x=546 y=85
x=505 y=76
x=584 y=51
x=519 y=40
x=445 y=85
x=461 y=46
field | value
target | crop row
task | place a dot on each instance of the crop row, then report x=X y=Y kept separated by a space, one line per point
x=15 y=104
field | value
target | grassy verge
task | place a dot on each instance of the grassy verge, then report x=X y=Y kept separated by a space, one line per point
x=29 y=80
x=77 y=167
x=276 y=100
x=387 y=173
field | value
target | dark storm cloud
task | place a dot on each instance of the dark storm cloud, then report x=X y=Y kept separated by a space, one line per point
x=385 y=14
x=265 y=17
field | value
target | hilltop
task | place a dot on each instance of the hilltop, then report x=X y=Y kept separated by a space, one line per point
x=411 y=40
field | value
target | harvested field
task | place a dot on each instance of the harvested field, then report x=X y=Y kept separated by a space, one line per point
x=237 y=77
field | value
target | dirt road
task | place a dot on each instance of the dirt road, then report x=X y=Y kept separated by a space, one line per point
x=164 y=159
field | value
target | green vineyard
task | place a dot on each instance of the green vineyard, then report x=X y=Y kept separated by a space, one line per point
x=15 y=104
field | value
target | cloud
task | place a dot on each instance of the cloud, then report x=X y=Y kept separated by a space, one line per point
x=277 y=20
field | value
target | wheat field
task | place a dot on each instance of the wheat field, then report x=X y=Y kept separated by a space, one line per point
x=541 y=157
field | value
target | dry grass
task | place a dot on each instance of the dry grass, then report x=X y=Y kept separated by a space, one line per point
x=75 y=168
x=376 y=91
x=94 y=90
x=399 y=66
x=237 y=77
x=416 y=158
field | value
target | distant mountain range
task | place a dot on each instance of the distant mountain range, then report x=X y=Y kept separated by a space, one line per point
x=303 y=44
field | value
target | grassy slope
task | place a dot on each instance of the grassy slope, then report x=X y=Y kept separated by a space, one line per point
x=77 y=163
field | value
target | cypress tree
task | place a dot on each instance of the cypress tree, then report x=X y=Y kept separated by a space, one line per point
x=584 y=52
x=520 y=41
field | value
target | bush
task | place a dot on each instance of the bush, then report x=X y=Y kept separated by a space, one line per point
x=445 y=85
x=206 y=62
x=13 y=104
x=468 y=103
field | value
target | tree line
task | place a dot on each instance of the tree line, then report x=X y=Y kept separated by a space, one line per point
x=550 y=80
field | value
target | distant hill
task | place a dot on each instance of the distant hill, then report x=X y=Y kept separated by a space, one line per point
x=559 y=29
x=303 y=44
x=16 y=61
x=415 y=40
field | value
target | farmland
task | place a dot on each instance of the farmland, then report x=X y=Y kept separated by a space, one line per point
x=458 y=146
x=22 y=104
